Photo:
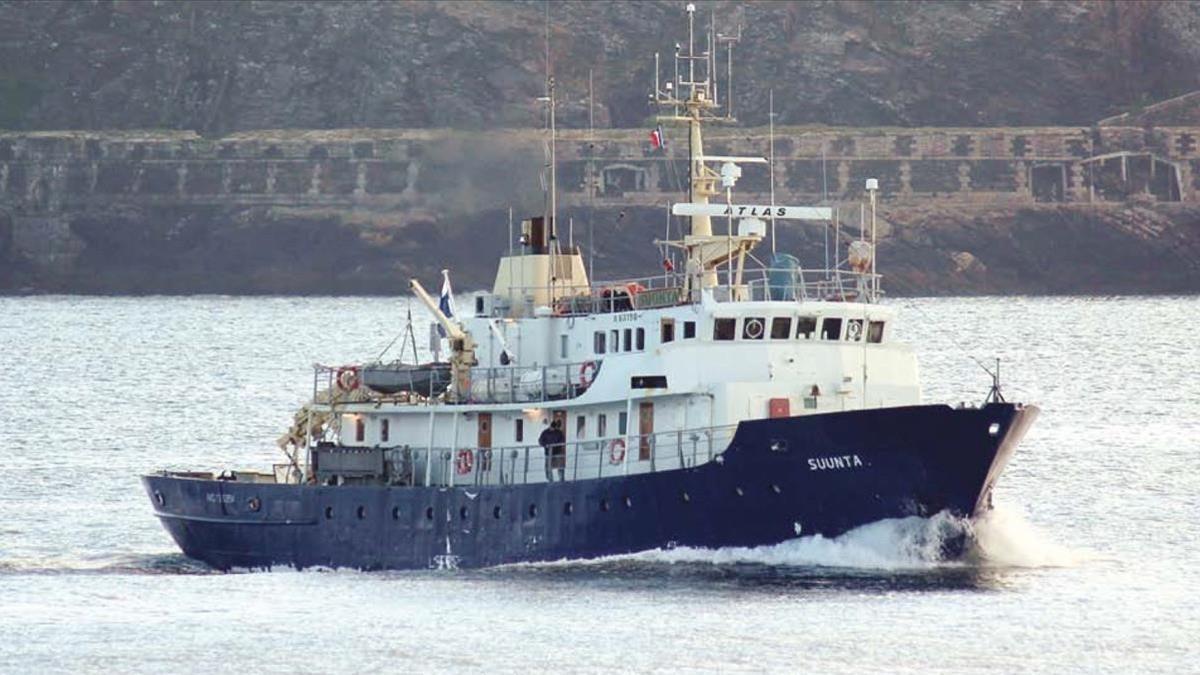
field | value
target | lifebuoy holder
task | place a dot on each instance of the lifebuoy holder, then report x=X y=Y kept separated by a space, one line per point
x=463 y=462
x=616 y=451
x=347 y=378
x=587 y=373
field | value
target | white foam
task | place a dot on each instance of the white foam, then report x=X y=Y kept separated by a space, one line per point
x=1005 y=538
x=898 y=543
x=1002 y=538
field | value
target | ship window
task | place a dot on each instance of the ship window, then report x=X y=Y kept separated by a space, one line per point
x=360 y=429
x=689 y=330
x=614 y=340
x=831 y=329
x=622 y=423
x=641 y=339
x=601 y=425
x=628 y=339
x=580 y=426
x=753 y=328
x=854 y=330
x=805 y=327
x=598 y=342
x=781 y=328
x=519 y=429
x=875 y=332
x=562 y=346
x=668 y=330
x=724 y=329
x=384 y=431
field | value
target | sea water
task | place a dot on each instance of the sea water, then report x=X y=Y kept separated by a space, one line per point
x=1088 y=564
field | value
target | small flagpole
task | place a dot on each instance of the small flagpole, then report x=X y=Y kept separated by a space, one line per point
x=771 y=162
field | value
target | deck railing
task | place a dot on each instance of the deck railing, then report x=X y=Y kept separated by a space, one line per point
x=670 y=289
x=586 y=459
x=488 y=384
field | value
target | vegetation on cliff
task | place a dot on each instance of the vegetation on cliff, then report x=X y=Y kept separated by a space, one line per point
x=217 y=67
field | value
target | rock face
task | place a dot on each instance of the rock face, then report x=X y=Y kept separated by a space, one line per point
x=217 y=67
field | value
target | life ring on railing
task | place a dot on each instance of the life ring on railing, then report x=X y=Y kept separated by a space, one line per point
x=587 y=373
x=633 y=288
x=754 y=328
x=463 y=462
x=616 y=451
x=347 y=378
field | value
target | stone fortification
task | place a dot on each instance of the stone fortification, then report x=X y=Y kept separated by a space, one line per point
x=76 y=203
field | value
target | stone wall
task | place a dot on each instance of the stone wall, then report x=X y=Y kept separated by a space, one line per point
x=48 y=173
x=351 y=211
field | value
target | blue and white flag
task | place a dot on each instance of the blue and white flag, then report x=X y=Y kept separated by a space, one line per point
x=446 y=302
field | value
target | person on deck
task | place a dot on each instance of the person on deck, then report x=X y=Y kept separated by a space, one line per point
x=553 y=443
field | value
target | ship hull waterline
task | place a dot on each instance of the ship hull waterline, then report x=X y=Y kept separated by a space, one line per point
x=776 y=480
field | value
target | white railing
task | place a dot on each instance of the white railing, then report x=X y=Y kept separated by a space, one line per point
x=579 y=460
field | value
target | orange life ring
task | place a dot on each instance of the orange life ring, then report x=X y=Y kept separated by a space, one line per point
x=616 y=451
x=587 y=373
x=347 y=378
x=633 y=288
x=464 y=461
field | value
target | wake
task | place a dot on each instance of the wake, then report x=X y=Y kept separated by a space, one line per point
x=1002 y=538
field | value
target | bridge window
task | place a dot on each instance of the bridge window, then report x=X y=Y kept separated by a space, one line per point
x=601 y=425
x=641 y=339
x=668 y=330
x=519 y=429
x=689 y=330
x=628 y=339
x=360 y=429
x=781 y=328
x=622 y=423
x=614 y=339
x=724 y=329
x=598 y=342
x=806 y=326
x=580 y=426
x=384 y=431
x=562 y=346
x=875 y=332
x=831 y=329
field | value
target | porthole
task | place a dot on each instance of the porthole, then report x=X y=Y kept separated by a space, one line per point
x=604 y=505
x=254 y=503
x=395 y=513
x=685 y=497
x=994 y=429
x=429 y=513
x=775 y=488
x=496 y=513
x=628 y=502
x=361 y=512
x=328 y=513
x=739 y=491
x=533 y=510
x=568 y=508
x=463 y=512
x=158 y=498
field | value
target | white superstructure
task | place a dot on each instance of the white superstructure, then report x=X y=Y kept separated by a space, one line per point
x=648 y=373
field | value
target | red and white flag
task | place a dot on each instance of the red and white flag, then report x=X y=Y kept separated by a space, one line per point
x=657 y=140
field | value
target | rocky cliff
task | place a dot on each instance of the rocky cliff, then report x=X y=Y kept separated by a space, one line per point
x=217 y=67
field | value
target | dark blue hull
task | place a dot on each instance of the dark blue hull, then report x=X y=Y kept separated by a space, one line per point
x=817 y=474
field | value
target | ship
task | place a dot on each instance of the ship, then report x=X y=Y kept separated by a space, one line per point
x=718 y=402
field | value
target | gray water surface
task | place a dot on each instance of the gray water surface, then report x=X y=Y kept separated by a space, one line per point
x=1088 y=564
